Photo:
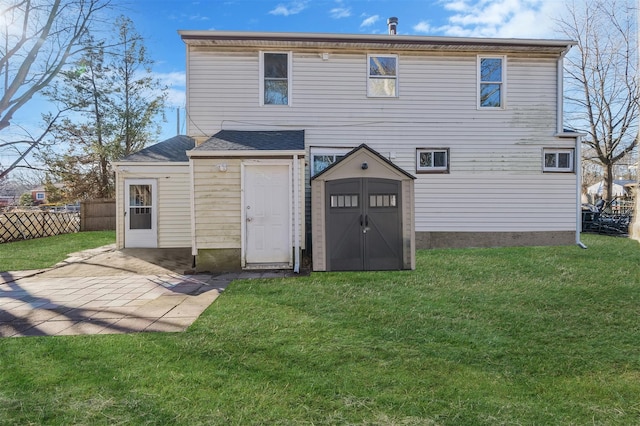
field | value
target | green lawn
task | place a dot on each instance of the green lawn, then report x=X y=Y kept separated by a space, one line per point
x=46 y=252
x=518 y=336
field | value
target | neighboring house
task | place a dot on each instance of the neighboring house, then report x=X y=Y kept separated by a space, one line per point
x=39 y=196
x=621 y=188
x=295 y=139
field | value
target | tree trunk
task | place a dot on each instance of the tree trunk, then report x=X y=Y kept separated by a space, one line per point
x=607 y=191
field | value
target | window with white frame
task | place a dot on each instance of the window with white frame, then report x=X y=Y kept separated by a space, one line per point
x=432 y=160
x=491 y=81
x=39 y=195
x=382 y=80
x=558 y=160
x=275 y=80
x=321 y=158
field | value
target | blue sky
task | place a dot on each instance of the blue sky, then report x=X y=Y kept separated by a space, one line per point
x=159 y=20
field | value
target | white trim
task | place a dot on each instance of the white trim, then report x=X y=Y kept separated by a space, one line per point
x=396 y=77
x=434 y=168
x=247 y=153
x=503 y=82
x=192 y=202
x=289 y=77
x=153 y=243
x=296 y=215
x=243 y=216
x=556 y=169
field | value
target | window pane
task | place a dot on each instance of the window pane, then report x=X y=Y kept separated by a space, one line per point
x=140 y=195
x=275 y=65
x=382 y=87
x=563 y=160
x=426 y=159
x=491 y=69
x=276 y=92
x=383 y=66
x=490 y=95
x=439 y=159
x=550 y=160
x=140 y=218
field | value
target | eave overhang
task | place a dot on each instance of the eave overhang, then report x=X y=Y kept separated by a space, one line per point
x=334 y=42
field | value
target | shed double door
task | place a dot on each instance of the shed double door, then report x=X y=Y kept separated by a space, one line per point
x=364 y=224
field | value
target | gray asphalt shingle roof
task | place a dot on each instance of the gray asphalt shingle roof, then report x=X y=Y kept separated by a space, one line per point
x=173 y=150
x=242 y=140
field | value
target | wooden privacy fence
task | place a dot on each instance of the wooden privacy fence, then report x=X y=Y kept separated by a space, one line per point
x=26 y=225
x=98 y=215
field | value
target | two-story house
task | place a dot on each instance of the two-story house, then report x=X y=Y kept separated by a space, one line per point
x=358 y=149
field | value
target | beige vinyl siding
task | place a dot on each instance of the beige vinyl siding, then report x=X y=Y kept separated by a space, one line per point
x=217 y=204
x=495 y=155
x=174 y=219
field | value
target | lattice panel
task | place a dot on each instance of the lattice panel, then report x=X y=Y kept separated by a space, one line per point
x=15 y=226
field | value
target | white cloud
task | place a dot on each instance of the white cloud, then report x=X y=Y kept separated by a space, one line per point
x=501 y=18
x=176 y=82
x=422 y=27
x=340 y=12
x=292 y=8
x=371 y=20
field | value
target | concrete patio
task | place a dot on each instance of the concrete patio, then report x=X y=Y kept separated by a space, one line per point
x=107 y=291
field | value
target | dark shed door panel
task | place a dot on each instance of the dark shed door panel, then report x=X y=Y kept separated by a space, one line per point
x=364 y=224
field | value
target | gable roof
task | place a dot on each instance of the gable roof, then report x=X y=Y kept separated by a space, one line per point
x=172 y=150
x=245 y=140
x=372 y=151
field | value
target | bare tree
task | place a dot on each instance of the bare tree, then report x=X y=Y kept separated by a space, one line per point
x=602 y=89
x=37 y=38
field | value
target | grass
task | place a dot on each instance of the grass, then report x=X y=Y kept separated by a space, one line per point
x=538 y=335
x=46 y=252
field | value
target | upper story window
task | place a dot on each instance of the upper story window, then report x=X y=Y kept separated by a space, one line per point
x=275 y=81
x=382 y=80
x=558 y=160
x=491 y=81
x=429 y=160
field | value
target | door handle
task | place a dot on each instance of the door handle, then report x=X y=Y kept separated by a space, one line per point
x=249 y=219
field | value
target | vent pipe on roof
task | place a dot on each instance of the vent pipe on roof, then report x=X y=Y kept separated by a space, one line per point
x=393 y=25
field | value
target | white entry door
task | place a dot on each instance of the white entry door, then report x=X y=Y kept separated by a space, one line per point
x=141 y=213
x=266 y=214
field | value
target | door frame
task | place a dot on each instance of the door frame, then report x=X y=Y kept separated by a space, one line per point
x=151 y=240
x=243 y=210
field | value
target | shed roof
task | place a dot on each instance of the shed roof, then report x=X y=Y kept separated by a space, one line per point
x=172 y=150
x=373 y=152
x=245 y=140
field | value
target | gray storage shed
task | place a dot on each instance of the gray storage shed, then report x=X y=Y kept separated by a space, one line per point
x=362 y=215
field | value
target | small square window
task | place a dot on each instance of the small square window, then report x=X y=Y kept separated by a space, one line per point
x=432 y=160
x=557 y=160
x=382 y=79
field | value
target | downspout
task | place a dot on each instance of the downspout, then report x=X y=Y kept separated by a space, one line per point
x=578 y=151
x=296 y=214
x=578 y=166
x=560 y=82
